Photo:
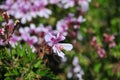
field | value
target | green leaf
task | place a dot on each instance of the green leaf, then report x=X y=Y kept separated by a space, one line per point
x=97 y=67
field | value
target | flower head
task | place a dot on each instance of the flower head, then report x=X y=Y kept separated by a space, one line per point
x=53 y=41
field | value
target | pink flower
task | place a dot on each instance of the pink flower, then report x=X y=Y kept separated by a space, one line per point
x=66 y=23
x=101 y=52
x=31 y=40
x=44 y=29
x=32 y=28
x=62 y=27
x=93 y=41
x=13 y=40
x=25 y=35
x=2 y=31
x=84 y=5
x=2 y=42
x=108 y=38
x=112 y=44
x=53 y=41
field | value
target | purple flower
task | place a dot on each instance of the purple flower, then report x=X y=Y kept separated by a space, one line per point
x=66 y=23
x=62 y=27
x=14 y=39
x=44 y=29
x=31 y=40
x=53 y=41
x=25 y=35
x=32 y=28
x=2 y=42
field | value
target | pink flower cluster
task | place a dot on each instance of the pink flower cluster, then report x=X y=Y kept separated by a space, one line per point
x=26 y=10
x=70 y=25
x=34 y=36
x=107 y=39
x=38 y=35
x=84 y=4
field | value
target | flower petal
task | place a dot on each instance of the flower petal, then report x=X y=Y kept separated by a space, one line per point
x=60 y=37
x=66 y=46
x=61 y=54
x=56 y=50
x=48 y=38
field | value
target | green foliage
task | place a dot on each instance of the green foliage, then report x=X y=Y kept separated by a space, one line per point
x=115 y=52
x=21 y=63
